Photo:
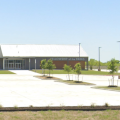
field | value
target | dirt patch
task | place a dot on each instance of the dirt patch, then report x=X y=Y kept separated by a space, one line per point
x=48 y=78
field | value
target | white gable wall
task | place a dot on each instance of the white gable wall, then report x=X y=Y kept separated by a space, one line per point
x=1 y=55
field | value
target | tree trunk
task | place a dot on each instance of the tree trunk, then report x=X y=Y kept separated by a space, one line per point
x=113 y=79
x=68 y=76
x=49 y=73
x=44 y=72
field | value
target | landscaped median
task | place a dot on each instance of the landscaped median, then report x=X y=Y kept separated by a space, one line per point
x=72 y=82
x=108 y=88
x=69 y=82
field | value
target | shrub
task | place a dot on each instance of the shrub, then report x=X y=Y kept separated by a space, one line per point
x=106 y=105
x=92 y=105
x=16 y=107
x=31 y=106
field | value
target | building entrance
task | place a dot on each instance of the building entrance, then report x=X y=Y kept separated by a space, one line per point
x=14 y=64
x=17 y=65
x=11 y=66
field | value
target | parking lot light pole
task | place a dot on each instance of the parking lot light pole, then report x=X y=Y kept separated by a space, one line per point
x=79 y=51
x=99 y=58
x=119 y=50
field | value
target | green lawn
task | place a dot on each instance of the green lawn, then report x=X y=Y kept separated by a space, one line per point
x=107 y=88
x=6 y=72
x=90 y=72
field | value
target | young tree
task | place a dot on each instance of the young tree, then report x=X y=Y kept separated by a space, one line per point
x=68 y=69
x=78 y=69
x=50 y=66
x=113 y=66
x=43 y=65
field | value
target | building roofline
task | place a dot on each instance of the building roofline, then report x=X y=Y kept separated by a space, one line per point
x=43 y=44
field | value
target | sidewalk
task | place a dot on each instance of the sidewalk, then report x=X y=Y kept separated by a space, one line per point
x=24 y=72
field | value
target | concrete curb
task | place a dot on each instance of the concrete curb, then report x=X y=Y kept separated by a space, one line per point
x=55 y=108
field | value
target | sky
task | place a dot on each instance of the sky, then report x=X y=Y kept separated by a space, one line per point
x=93 y=23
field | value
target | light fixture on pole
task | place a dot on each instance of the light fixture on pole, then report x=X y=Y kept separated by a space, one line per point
x=99 y=59
x=79 y=51
x=119 y=42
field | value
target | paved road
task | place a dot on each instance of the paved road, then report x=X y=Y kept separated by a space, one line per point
x=26 y=90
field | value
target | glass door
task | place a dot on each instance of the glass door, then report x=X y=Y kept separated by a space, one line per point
x=14 y=64
x=17 y=65
x=11 y=66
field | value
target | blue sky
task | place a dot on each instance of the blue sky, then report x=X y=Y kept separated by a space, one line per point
x=93 y=23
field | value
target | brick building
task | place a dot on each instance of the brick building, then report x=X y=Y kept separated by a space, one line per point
x=29 y=56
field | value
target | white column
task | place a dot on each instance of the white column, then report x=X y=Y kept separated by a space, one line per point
x=29 y=63
x=35 y=65
x=3 y=64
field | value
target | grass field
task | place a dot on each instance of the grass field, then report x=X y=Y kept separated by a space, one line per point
x=6 y=72
x=90 y=72
x=61 y=115
x=107 y=88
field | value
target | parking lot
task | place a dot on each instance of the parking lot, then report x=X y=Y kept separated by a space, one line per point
x=23 y=89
